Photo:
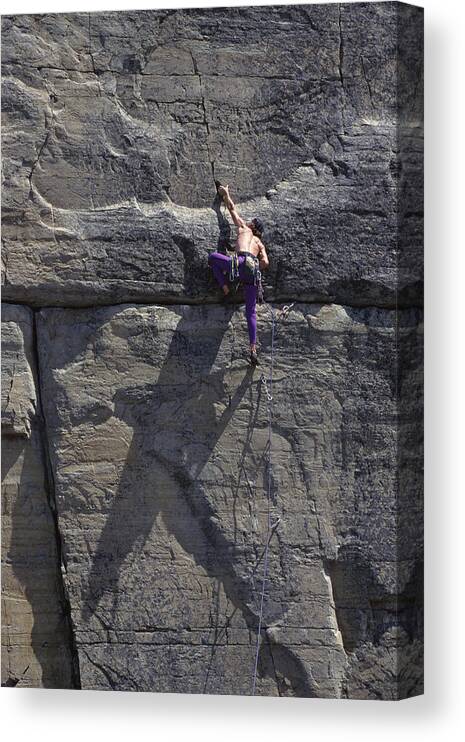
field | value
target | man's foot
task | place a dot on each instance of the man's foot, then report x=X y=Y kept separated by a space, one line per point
x=253 y=358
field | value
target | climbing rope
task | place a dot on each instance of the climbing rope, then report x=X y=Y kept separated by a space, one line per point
x=268 y=386
x=269 y=394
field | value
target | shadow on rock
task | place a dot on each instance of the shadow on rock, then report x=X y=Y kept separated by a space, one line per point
x=31 y=553
x=163 y=479
x=176 y=428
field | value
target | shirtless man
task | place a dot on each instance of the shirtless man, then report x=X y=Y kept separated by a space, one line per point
x=250 y=257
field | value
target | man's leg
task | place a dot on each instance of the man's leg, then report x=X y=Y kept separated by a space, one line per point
x=250 y=291
x=220 y=265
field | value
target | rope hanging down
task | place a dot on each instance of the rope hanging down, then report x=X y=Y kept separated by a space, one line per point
x=268 y=385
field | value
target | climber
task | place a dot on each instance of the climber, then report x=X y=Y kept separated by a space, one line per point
x=246 y=264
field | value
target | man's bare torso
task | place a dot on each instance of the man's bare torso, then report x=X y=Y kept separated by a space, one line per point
x=247 y=242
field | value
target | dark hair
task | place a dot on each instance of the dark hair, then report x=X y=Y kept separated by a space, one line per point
x=257 y=226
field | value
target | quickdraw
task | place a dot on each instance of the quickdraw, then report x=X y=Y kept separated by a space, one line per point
x=258 y=283
x=265 y=385
x=285 y=310
x=234 y=268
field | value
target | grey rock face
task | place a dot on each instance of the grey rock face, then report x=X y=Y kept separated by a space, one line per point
x=159 y=433
x=116 y=124
x=148 y=481
x=35 y=631
x=19 y=399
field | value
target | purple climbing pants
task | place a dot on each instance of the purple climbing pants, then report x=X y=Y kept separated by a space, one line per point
x=221 y=265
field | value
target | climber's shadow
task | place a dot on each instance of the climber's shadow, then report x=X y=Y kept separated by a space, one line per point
x=175 y=429
x=31 y=564
x=224 y=227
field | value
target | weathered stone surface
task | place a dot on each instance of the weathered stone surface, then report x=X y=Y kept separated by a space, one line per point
x=114 y=128
x=115 y=125
x=158 y=434
x=35 y=633
x=19 y=399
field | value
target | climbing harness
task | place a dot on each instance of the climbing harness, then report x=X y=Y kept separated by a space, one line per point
x=271 y=527
x=253 y=274
x=250 y=266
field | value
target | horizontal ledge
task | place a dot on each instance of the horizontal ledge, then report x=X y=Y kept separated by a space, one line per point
x=183 y=302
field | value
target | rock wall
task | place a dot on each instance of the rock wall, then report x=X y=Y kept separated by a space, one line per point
x=36 y=636
x=149 y=471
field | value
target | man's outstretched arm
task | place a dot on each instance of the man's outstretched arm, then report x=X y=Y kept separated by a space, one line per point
x=231 y=206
